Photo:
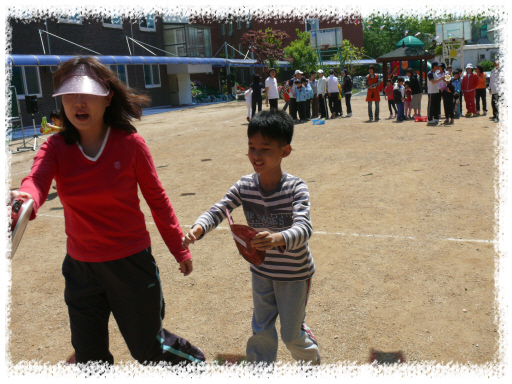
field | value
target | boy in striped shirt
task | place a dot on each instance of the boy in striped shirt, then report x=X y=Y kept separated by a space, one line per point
x=277 y=205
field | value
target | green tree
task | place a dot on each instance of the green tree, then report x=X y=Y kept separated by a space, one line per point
x=302 y=55
x=379 y=41
x=349 y=54
x=487 y=64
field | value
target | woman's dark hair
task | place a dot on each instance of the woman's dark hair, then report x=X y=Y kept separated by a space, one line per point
x=256 y=78
x=275 y=125
x=481 y=68
x=371 y=67
x=400 y=79
x=124 y=105
x=410 y=70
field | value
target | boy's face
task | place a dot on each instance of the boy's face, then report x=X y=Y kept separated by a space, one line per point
x=406 y=85
x=299 y=85
x=400 y=83
x=266 y=154
x=456 y=75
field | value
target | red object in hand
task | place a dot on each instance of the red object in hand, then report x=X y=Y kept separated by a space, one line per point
x=243 y=235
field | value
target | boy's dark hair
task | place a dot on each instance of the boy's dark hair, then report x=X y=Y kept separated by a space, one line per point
x=442 y=65
x=55 y=114
x=298 y=81
x=410 y=70
x=331 y=71
x=407 y=82
x=449 y=67
x=481 y=68
x=256 y=78
x=400 y=79
x=275 y=125
x=456 y=72
x=460 y=70
x=389 y=81
x=371 y=67
x=313 y=73
x=304 y=80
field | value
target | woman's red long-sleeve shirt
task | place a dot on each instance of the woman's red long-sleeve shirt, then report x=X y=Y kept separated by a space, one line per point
x=102 y=212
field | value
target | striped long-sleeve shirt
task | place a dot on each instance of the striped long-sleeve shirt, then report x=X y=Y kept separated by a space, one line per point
x=284 y=210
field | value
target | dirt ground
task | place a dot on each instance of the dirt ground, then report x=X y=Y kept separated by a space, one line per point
x=404 y=220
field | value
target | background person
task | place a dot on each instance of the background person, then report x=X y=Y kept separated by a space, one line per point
x=332 y=89
x=373 y=93
x=346 y=90
x=494 y=90
x=469 y=83
x=313 y=82
x=257 y=99
x=480 y=90
x=100 y=162
x=416 y=91
x=322 y=92
x=271 y=92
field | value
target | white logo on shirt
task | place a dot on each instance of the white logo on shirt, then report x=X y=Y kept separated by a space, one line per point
x=117 y=165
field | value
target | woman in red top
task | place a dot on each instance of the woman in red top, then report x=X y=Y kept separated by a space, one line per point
x=373 y=93
x=99 y=161
x=480 y=90
x=469 y=83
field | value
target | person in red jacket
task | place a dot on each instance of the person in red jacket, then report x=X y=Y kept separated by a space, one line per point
x=470 y=82
x=100 y=162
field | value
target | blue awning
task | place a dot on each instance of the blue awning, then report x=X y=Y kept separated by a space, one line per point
x=49 y=60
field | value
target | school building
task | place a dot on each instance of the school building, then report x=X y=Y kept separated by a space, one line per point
x=156 y=54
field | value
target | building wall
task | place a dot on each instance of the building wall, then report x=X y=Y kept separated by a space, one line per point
x=93 y=35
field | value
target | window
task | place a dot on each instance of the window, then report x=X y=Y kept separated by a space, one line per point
x=112 y=22
x=311 y=24
x=27 y=81
x=232 y=52
x=147 y=23
x=494 y=56
x=239 y=23
x=230 y=28
x=248 y=23
x=482 y=57
x=152 y=75
x=223 y=29
x=122 y=73
x=240 y=48
x=71 y=19
x=242 y=76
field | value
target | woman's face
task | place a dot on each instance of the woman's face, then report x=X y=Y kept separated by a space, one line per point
x=85 y=111
x=370 y=71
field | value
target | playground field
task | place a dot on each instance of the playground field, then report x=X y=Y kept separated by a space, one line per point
x=404 y=221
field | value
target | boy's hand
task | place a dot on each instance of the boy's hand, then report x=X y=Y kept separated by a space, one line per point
x=264 y=241
x=191 y=237
x=186 y=267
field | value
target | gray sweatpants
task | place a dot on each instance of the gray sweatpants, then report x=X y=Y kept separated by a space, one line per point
x=288 y=300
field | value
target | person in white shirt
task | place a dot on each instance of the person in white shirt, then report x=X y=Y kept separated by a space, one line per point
x=494 y=90
x=333 y=90
x=248 y=103
x=322 y=90
x=291 y=93
x=271 y=92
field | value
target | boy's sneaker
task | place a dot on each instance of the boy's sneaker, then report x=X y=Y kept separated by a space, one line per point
x=451 y=121
x=496 y=120
x=248 y=118
x=447 y=121
x=432 y=121
x=484 y=114
x=349 y=114
x=469 y=114
x=390 y=116
x=377 y=119
x=370 y=119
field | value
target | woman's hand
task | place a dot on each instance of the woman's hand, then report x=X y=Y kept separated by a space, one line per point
x=186 y=267
x=15 y=194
